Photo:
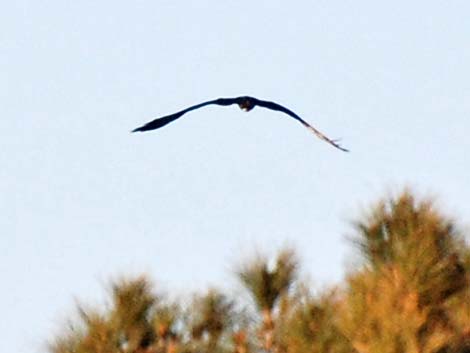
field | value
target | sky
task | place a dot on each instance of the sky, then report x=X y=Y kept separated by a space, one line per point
x=83 y=201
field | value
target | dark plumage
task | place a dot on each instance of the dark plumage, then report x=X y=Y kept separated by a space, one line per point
x=245 y=103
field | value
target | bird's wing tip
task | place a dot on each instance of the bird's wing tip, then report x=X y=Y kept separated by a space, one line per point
x=340 y=147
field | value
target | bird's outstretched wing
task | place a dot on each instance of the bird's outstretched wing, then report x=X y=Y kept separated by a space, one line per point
x=280 y=108
x=159 y=122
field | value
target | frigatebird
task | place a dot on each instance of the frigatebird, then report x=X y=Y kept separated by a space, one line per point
x=245 y=103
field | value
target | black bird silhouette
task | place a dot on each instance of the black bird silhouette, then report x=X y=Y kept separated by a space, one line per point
x=245 y=103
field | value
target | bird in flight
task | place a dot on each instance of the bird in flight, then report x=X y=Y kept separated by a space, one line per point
x=245 y=103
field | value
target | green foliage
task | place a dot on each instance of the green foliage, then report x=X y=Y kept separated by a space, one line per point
x=211 y=321
x=410 y=295
x=417 y=240
x=132 y=304
x=459 y=309
x=267 y=284
x=307 y=323
x=397 y=302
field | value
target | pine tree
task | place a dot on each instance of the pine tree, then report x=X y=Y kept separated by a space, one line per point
x=412 y=268
x=266 y=286
x=411 y=294
x=308 y=323
x=211 y=323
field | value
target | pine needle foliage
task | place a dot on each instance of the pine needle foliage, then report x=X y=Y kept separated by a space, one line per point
x=413 y=267
x=308 y=323
x=411 y=294
x=211 y=320
x=266 y=284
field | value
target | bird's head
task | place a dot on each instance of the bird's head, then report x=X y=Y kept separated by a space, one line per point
x=246 y=104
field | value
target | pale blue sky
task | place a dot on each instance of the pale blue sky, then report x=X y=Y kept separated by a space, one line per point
x=82 y=200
